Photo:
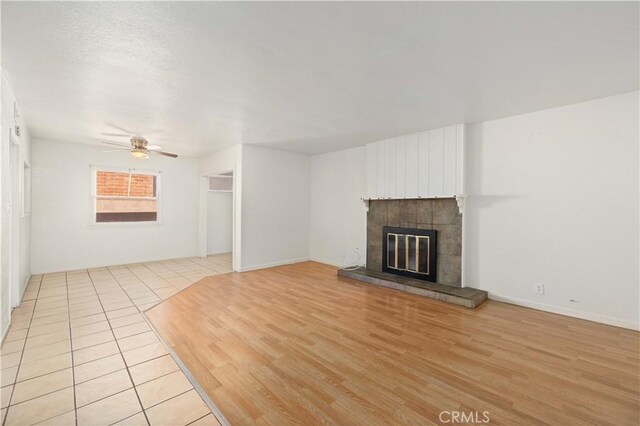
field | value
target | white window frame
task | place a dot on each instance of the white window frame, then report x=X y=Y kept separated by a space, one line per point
x=94 y=197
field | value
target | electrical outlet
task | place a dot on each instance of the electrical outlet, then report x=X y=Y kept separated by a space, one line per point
x=539 y=288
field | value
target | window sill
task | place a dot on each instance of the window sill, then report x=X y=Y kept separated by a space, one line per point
x=116 y=225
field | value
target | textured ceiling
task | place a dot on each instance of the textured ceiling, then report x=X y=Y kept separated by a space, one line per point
x=305 y=77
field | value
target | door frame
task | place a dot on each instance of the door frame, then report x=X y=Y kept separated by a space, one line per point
x=236 y=200
x=15 y=159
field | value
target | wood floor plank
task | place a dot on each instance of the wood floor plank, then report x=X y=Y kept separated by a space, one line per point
x=298 y=345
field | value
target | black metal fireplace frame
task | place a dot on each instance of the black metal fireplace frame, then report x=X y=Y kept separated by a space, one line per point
x=433 y=244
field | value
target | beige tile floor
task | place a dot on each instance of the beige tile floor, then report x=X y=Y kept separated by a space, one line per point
x=79 y=351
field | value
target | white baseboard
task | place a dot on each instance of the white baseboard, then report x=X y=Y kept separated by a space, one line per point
x=24 y=288
x=590 y=316
x=218 y=252
x=5 y=331
x=22 y=291
x=271 y=265
x=326 y=262
x=330 y=262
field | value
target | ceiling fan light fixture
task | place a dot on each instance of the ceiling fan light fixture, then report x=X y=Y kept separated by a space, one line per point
x=139 y=153
x=140 y=148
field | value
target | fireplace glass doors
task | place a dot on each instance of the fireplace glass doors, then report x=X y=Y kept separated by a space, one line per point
x=409 y=252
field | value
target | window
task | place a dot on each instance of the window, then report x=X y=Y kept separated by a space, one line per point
x=126 y=196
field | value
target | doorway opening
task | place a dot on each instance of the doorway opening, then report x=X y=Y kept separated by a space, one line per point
x=220 y=215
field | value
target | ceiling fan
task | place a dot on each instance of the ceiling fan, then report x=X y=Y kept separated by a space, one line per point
x=140 y=148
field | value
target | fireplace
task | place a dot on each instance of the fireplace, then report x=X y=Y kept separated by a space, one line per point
x=409 y=252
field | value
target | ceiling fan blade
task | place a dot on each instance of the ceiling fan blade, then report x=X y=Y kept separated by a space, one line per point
x=117 y=135
x=166 y=154
x=153 y=147
x=122 y=129
x=116 y=150
x=117 y=144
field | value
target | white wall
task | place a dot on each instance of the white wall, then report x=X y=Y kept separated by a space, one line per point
x=553 y=198
x=275 y=207
x=219 y=222
x=62 y=235
x=338 y=215
x=15 y=268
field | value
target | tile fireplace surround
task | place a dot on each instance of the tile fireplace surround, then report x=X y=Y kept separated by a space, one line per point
x=441 y=215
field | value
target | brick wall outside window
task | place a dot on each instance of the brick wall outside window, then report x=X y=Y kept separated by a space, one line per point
x=116 y=183
x=111 y=187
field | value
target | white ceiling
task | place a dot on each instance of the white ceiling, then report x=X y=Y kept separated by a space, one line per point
x=305 y=77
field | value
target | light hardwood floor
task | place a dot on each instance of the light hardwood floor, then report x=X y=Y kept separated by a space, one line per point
x=296 y=344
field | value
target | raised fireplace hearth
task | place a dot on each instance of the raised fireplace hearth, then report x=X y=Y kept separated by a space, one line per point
x=409 y=252
x=461 y=296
